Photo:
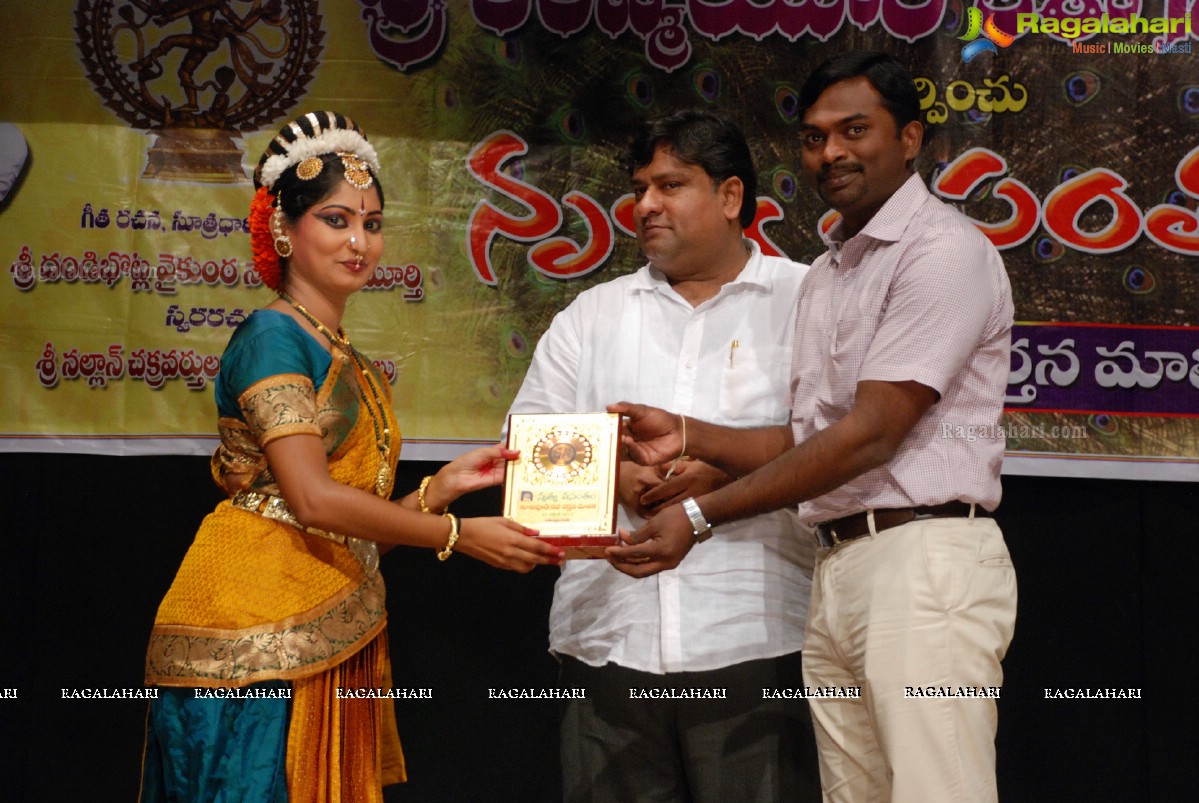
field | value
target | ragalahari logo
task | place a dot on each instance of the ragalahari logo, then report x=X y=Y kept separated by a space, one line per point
x=991 y=36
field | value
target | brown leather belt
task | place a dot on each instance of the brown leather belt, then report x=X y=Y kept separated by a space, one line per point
x=838 y=531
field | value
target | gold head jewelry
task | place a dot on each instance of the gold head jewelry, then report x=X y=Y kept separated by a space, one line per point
x=310 y=168
x=357 y=170
x=310 y=136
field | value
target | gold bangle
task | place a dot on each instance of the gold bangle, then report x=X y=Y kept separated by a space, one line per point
x=420 y=494
x=683 y=451
x=449 y=545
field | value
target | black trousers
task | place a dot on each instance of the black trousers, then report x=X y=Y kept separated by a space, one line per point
x=623 y=743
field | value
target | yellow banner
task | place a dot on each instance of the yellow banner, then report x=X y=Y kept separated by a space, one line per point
x=501 y=126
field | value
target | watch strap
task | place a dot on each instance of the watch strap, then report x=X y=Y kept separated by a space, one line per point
x=700 y=529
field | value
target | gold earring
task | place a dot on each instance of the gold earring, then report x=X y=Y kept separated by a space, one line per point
x=282 y=241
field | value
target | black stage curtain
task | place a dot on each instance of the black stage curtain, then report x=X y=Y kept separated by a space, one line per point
x=1107 y=571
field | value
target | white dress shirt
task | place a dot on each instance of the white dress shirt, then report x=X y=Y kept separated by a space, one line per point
x=743 y=594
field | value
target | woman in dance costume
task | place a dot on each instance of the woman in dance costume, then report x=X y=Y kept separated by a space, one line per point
x=278 y=607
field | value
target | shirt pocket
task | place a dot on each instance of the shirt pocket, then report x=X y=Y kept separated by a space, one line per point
x=846 y=350
x=754 y=388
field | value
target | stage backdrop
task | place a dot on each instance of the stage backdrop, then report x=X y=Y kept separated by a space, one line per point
x=1066 y=130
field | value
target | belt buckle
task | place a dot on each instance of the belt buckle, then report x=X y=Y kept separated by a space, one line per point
x=827 y=536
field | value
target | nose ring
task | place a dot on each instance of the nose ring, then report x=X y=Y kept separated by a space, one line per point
x=358 y=255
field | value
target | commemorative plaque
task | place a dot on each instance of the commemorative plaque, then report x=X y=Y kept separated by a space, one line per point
x=564 y=482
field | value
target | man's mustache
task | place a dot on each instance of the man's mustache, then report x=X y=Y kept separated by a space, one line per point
x=839 y=169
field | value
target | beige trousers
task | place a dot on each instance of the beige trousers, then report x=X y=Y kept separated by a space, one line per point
x=918 y=618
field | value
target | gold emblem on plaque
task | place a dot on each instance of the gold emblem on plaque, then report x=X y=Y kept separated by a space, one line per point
x=562 y=454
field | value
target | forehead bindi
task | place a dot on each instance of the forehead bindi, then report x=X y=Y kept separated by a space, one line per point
x=353 y=200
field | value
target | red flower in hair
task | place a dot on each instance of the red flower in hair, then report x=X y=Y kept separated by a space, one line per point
x=262 y=243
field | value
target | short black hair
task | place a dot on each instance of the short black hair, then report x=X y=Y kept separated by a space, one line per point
x=704 y=139
x=889 y=77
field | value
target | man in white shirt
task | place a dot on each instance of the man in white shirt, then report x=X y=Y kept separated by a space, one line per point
x=705 y=328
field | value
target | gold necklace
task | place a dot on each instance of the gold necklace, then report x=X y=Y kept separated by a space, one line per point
x=379 y=420
x=338 y=339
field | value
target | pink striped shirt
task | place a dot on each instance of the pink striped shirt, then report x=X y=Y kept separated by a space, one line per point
x=919 y=294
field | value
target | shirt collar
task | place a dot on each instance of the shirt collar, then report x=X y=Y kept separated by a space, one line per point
x=754 y=274
x=892 y=218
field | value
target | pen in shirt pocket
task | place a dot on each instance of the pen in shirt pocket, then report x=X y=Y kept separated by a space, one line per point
x=733 y=351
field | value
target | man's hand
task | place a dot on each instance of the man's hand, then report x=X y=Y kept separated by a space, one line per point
x=652 y=435
x=660 y=544
x=635 y=482
x=692 y=478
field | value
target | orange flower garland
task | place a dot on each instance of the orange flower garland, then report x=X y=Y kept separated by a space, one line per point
x=262 y=243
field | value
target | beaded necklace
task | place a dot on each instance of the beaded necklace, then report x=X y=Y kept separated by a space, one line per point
x=378 y=417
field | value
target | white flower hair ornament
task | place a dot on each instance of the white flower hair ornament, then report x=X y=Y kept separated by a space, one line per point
x=307 y=138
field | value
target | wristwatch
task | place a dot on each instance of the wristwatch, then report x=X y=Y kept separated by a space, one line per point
x=700 y=529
